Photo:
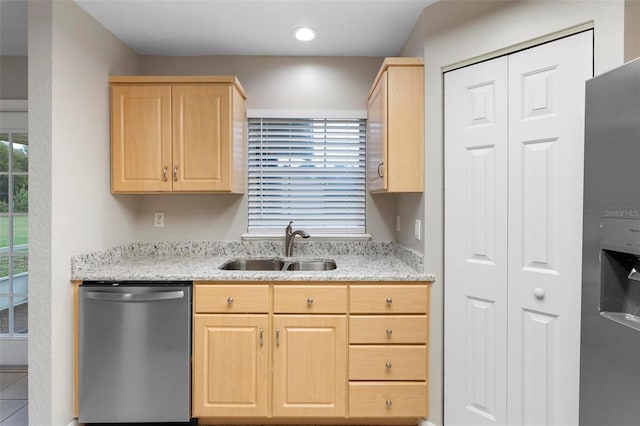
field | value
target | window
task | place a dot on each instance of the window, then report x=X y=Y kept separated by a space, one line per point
x=14 y=232
x=308 y=170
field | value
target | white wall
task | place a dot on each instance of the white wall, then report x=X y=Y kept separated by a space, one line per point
x=271 y=82
x=72 y=211
x=13 y=77
x=453 y=31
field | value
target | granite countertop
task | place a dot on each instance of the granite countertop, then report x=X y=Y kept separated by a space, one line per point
x=200 y=260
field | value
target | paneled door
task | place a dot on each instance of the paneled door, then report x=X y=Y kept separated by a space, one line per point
x=513 y=225
x=546 y=156
x=476 y=244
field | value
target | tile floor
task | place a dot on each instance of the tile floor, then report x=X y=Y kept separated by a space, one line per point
x=13 y=397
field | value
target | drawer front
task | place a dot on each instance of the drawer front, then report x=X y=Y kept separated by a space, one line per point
x=309 y=299
x=388 y=399
x=390 y=330
x=388 y=363
x=231 y=299
x=389 y=299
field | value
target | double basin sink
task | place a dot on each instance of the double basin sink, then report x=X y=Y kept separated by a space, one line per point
x=277 y=264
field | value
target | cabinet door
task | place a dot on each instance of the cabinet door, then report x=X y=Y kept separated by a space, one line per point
x=140 y=138
x=377 y=137
x=230 y=365
x=309 y=365
x=201 y=137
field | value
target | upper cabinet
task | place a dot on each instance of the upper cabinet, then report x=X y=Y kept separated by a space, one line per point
x=177 y=134
x=395 y=127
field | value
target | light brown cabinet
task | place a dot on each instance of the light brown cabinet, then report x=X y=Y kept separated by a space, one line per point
x=388 y=362
x=230 y=351
x=177 y=134
x=230 y=365
x=395 y=128
x=310 y=351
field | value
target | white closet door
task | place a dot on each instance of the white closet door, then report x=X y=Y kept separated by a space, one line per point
x=476 y=244
x=546 y=148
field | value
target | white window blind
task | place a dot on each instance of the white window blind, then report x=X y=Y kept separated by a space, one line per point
x=311 y=171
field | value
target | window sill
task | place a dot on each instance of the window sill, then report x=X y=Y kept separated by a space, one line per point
x=316 y=237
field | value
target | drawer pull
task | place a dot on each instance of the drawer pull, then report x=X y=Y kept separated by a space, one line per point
x=388 y=365
x=229 y=300
x=388 y=403
x=389 y=332
x=389 y=301
x=310 y=301
x=261 y=337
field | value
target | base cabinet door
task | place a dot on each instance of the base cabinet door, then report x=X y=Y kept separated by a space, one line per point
x=230 y=365
x=309 y=365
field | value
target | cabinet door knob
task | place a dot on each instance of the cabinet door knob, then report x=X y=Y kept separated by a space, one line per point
x=164 y=174
x=389 y=301
x=310 y=301
x=388 y=365
x=175 y=173
x=381 y=169
x=261 y=337
x=277 y=337
x=389 y=332
x=388 y=403
x=229 y=300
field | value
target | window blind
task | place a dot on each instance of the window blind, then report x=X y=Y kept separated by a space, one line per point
x=311 y=171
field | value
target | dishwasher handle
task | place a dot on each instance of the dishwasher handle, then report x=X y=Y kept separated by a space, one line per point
x=134 y=297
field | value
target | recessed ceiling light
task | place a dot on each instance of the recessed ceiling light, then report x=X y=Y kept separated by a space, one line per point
x=305 y=33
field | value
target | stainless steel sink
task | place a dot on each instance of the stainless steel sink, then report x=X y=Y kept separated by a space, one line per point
x=276 y=264
x=253 y=265
x=312 y=265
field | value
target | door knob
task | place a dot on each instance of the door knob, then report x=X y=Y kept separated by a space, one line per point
x=538 y=292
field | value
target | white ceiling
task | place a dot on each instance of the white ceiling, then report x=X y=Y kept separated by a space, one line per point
x=240 y=27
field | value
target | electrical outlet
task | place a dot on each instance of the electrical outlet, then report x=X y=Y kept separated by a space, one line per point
x=158 y=219
x=416 y=229
x=397 y=223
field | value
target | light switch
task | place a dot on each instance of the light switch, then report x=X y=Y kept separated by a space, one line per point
x=416 y=229
x=397 y=223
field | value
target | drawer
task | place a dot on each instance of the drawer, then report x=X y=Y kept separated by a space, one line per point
x=305 y=299
x=388 y=363
x=389 y=299
x=388 y=399
x=385 y=329
x=231 y=299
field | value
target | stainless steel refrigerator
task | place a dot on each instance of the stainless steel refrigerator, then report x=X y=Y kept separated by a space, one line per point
x=610 y=331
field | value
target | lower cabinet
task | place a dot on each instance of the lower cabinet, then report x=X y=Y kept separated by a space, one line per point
x=230 y=365
x=310 y=350
x=309 y=366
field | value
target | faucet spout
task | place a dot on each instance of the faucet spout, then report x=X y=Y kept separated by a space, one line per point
x=289 y=235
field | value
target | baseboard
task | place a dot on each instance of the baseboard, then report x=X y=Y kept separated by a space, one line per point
x=424 y=422
x=74 y=422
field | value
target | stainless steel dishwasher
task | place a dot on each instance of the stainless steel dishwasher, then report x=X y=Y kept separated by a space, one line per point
x=134 y=352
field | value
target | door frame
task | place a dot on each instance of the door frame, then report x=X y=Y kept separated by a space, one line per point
x=535 y=42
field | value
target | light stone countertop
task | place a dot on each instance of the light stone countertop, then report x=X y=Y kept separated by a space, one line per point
x=200 y=260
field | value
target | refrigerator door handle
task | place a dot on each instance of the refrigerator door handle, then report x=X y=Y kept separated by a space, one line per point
x=134 y=297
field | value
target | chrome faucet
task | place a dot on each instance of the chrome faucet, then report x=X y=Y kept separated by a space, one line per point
x=289 y=234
